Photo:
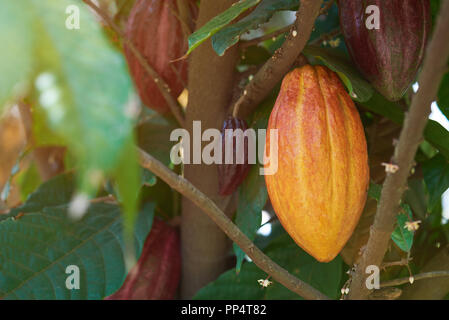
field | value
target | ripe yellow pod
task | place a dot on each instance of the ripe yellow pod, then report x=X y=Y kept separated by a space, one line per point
x=321 y=183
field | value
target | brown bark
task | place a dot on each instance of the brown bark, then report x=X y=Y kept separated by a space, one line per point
x=211 y=79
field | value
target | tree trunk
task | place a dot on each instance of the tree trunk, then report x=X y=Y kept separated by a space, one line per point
x=211 y=79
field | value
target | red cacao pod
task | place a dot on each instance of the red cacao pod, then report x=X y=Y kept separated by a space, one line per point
x=158 y=271
x=231 y=175
x=156 y=31
x=389 y=57
x=320 y=187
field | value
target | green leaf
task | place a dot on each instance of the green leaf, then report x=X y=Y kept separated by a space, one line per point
x=435 y=6
x=254 y=55
x=401 y=235
x=16 y=57
x=325 y=277
x=436 y=177
x=391 y=110
x=374 y=191
x=219 y=22
x=36 y=249
x=128 y=179
x=230 y=35
x=54 y=192
x=415 y=196
x=154 y=136
x=28 y=181
x=359 y=89
x=83 y=86
x=438 y=136
x=262 y=113
x=252 y=199
x=43 y=135
x=434 y=133
x=164 y=197
x=443 y=95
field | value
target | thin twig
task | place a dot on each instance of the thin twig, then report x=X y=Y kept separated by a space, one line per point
x=174 y=106
x=420 y=276
x=326 y=37
x=402 y=262
x=411 y=136
x=188 y=190
x=279 y=64
x=273 y=35
x=106 y=199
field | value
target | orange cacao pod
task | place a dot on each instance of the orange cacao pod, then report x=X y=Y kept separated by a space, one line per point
x=157 y=273
x=320 y=187
x=156 y=32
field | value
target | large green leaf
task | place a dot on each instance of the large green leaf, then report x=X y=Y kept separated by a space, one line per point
x=36 y=249
x=16 y=55
x=55 y=192
x=325 y=277
x=359 y=88
x=436 y=176
x=219 y=22
x=81 y=85
x=84 y=85
x=38 y=241
x=230 y=35
x=252 y=199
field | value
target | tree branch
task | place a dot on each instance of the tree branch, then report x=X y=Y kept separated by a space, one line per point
x=326 y=37
x=279 y=64
x=430 y=289
x=174 y=106
x=411 y=135
x=232 y=231
x=274 y=34
x=425 y=275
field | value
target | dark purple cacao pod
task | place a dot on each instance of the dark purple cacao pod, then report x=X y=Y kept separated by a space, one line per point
x=156 y=31
x=388 y=57
x=230 y=176
x=158 y=271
